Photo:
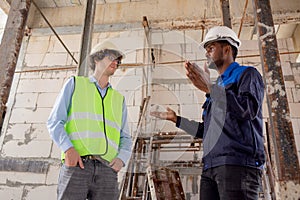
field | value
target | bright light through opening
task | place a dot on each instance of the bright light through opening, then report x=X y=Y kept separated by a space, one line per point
x=3 y=18
x=298 y=59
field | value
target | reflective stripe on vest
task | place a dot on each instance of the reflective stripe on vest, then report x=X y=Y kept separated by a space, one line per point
x=94 y=122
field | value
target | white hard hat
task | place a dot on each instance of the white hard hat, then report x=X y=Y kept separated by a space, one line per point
x=107 y=45
x=221 y=33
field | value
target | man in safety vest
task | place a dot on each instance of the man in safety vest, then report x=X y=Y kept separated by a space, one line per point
x=89 y=124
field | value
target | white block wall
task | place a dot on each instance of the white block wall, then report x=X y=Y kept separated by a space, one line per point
x=3 y=18
x=25 y=134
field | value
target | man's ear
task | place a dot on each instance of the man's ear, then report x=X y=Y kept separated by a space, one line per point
x=228 y=49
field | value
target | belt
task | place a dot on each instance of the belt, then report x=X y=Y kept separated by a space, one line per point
x=95 y=158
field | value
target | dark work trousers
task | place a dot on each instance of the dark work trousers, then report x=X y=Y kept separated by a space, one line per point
x=97 y=181
x=229 y=182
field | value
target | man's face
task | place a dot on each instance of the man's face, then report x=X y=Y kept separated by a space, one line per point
x=215 y=55
x=111 y=63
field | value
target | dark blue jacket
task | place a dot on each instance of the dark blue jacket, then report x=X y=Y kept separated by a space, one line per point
x=232 y=127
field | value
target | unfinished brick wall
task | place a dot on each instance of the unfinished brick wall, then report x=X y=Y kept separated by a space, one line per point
x=25 y=136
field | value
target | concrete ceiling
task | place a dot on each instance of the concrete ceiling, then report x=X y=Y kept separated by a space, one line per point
x=169 y=14
x=64 y=3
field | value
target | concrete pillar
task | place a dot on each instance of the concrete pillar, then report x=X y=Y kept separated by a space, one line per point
x=284 y=157
x=226 y=13
x=87 y=37
x=10 y=47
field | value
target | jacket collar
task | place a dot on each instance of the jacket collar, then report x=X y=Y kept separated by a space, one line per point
x=229 y=69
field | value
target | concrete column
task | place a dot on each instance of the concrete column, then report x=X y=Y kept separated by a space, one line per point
x=10 y=47
x=284 y=157
x=226 y=13
x=87 y=37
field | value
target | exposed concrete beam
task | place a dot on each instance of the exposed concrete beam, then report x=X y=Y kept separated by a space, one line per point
x=176 y=24
x=129 y=12
x=225 y=8
x=23 y=165
x=9 y=49
x=87 y=36
x=4 y=5
x=159 y=13
x=285 y=158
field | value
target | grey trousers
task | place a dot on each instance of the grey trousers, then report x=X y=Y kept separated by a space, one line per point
x=96 y=181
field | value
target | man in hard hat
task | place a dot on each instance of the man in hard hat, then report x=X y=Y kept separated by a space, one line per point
x=89 y=124
x=232 y=132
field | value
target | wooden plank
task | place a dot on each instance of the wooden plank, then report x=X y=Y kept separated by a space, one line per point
x=165 y=184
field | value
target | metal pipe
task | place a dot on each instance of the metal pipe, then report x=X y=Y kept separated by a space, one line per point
x=167 y=141
x=44 y=17
x=177 y=150
x=45 y=69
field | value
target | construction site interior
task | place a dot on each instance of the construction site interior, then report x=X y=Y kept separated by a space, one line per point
x=45 y=42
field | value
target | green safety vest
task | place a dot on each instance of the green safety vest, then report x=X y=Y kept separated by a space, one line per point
x=94 y=122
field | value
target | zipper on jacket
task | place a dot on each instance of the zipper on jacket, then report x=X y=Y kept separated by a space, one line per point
x=104 y=125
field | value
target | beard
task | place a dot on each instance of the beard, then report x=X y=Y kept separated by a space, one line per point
x=215 y=64
x=211 y=64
